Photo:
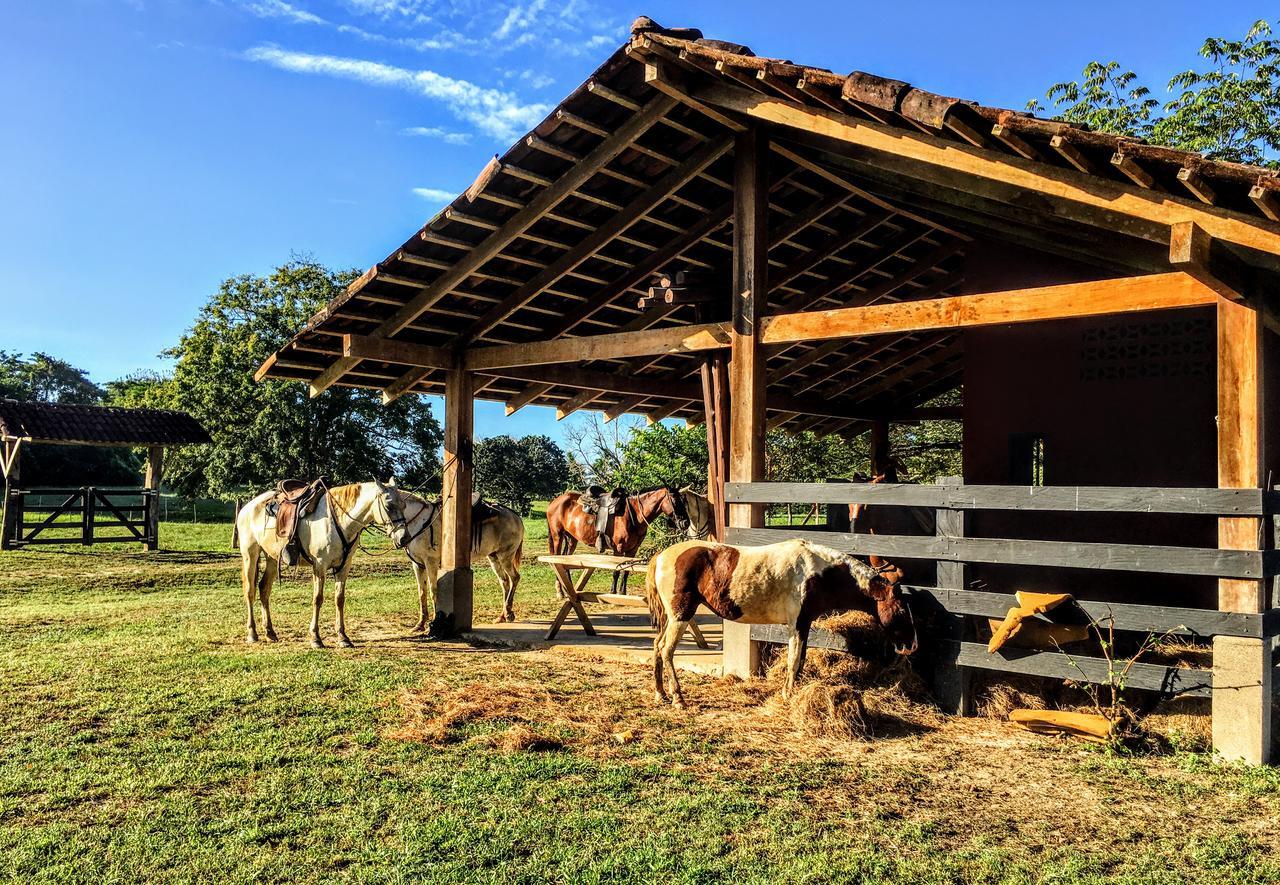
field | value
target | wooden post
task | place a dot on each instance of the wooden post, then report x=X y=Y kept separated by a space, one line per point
x=155 y=471
x=12 y=463
x=879 y=446
x=747 y=364
x=1241 y=667
x=951 y=682
x=453 y=614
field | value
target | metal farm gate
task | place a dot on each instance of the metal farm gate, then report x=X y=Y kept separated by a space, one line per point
x=84 y=516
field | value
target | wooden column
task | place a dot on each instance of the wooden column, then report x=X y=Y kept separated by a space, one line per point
x=1241 y=667
x=879 y=446
x=747 y=362
x=155 y=472
x=951 y=682
x=11 y=458
x=453 y=613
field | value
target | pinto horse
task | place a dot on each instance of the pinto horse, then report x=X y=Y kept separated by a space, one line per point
x=568 y=523
x=792 y=583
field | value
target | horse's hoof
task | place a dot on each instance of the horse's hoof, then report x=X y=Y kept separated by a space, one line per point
x=502 y=619
x=251 y=639
x=317 y=643
x=679 y=704
x=272 y=637
x=346 y=643
x=419 y=628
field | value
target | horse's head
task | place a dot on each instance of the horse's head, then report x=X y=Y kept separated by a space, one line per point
x=879 y=581
x=392 y=507
x=699 y=510
x=673 y=506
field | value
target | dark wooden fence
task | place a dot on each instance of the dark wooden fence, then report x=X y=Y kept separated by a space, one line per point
x=87 y=515
x=951 y=603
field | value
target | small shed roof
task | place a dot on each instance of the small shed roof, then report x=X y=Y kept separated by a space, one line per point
x=98 y=425
x=560 y=235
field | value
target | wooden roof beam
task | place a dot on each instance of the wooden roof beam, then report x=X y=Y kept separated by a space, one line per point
x=579 y=400
x=1192 y=251
x=1083 y=199
x=1015 y=142
x=1194 y=182
x=637 y=209
x=499 y=239
x=1266 y=201
x=619 y=345
x=526 y=396
x=1133 y=170
x=1073 y=155
x=657 y=75
x=1097 y=298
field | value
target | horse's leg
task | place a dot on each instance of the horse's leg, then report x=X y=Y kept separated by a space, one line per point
x=339 y=607
x=660 y=695
x=317 y=599
x=675 y=629
x=249 y=554
x=420 y=578
x=513 y=580
x=270 y=571
x=797 y=645
x=504 y=581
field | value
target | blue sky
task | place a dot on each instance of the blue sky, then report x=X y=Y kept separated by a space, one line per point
x=151 y=148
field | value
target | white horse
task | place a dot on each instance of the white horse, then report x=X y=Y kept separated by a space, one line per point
x=498 y=540
x=702 y=518
x=326 y=537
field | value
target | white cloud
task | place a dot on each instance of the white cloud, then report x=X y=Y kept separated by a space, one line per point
x=434 y=194
x=520 y=18
x=497 y=113
x=282 y=10
x=438 y=132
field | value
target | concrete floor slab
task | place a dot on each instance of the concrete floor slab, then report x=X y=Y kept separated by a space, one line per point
x=619 y=637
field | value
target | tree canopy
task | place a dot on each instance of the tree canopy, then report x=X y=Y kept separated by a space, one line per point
x=273 y=429
x=516 y=472
x=1229 y=110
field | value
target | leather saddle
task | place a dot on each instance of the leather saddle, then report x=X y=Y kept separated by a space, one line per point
x=481 y=511
x=604 y=504
x=294 y=500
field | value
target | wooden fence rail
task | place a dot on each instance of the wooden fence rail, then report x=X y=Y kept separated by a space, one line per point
x=950 y=604
x=93 y=509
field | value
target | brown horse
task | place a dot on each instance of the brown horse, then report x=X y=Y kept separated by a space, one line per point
x=568 y=523
x=892 y=520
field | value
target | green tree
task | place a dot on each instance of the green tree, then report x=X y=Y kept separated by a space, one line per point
x=516 y=472
x=1230 y=110
x=806 y=457
x=663 y=455
x=265 y=431
x=45 y=379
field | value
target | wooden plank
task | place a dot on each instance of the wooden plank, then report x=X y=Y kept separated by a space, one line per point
x=780 y=635
x=564 y=186
x=1088 y=199
x=616 y=345
x=403 y=353
x=1075 y=499
x=1072 y=300
x=1156 y=619
x=951 y=683
x=526 y=396
x=1184 y=682
x=1010 y=551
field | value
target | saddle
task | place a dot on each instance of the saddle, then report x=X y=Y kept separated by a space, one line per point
x=604 y=504
x=294 y=500
x=481 y=511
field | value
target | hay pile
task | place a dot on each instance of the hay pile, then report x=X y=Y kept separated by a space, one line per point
x=511 y=716
x=853 y=696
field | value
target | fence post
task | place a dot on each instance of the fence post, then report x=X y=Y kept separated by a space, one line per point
x=87 y=516
x=951 y=682
x=155 y=470
x=12 y=503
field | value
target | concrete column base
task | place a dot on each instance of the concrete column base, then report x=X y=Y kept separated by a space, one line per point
x=741 y=654
x=1242 y=698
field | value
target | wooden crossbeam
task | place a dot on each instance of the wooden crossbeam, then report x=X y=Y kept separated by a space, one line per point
x=618 y=345
x=573 y=178
x=1085 y=199
x=385 y=350
x=526 y=396
x=1191 y=251
x=1124 y=295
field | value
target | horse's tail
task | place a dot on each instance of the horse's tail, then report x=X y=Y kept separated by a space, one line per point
x=519 y=553
x=657 y=613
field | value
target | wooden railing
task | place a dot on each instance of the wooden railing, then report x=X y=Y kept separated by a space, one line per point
x=951 y=649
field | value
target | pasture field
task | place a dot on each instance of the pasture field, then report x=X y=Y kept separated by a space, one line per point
x=141 y=739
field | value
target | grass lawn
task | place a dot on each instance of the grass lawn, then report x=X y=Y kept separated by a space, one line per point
x=141 y=739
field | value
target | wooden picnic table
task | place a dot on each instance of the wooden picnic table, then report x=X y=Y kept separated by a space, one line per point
x=575 y=594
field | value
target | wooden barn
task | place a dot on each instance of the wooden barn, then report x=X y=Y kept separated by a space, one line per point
x=838 y=251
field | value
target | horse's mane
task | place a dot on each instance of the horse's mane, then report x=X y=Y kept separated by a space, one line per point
x=345 y=496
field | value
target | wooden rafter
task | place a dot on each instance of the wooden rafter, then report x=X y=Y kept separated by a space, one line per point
x=564 y=186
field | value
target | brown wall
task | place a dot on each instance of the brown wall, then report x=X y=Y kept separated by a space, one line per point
x=1126 y=400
